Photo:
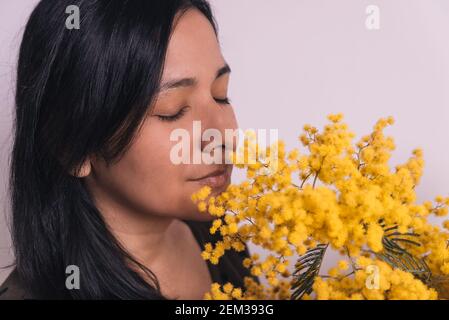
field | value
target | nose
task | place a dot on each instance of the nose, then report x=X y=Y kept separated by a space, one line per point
x=213 y=147
x=217 y=125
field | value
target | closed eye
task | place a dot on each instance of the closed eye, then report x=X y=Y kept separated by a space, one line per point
x=181 y=112
x=173 y=117
x=223 y=101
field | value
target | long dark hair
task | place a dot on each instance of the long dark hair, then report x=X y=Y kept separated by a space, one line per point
x=81 y=92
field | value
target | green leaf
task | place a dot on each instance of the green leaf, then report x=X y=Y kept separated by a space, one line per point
x=306 y=269
x=398 y=257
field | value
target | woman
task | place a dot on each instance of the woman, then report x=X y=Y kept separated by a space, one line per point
x=93 y=187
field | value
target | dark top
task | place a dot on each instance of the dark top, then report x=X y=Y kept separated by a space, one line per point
x=229 y=268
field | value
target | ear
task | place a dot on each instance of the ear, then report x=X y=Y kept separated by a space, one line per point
x=83 y=171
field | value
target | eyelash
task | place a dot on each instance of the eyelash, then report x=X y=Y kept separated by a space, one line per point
x=183 y=110
x=223 y=101
x=173 y=117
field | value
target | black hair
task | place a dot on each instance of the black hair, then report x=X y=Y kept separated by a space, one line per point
x=81 y=92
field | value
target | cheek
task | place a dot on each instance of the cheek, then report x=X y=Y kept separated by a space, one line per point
x=149 y=182
x=155 y=182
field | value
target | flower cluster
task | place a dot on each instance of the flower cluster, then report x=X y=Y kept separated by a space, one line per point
x=373 y=280
x=339 y=193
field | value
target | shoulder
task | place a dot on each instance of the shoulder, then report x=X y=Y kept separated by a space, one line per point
x=12 y=288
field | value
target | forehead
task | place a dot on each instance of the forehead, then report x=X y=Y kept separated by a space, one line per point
x=193 y=48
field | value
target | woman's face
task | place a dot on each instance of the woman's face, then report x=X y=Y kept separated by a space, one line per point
x=145 y=180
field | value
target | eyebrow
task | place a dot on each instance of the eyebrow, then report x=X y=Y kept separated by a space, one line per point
x=188 y=82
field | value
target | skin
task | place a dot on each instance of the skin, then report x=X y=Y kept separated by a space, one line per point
x=144 y=196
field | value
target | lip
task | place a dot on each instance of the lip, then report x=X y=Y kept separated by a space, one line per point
x=215 y=179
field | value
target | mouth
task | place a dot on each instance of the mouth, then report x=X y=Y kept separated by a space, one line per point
x=215 y=179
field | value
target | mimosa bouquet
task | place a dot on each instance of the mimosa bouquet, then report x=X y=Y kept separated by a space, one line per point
x=338 y=196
